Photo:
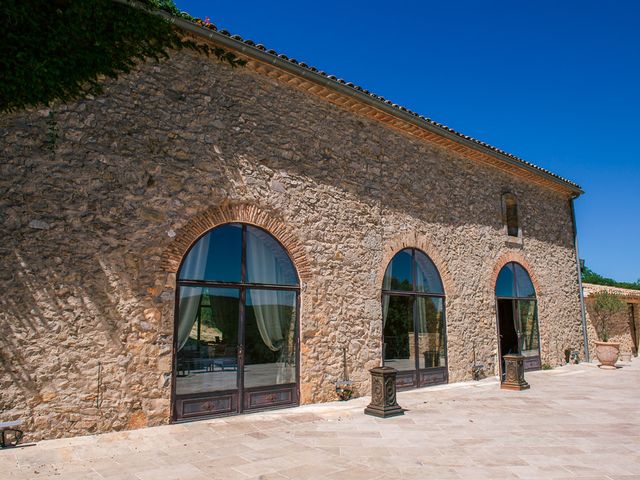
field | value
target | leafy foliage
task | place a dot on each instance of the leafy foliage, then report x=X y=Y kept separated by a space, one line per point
x=589 y=276
x=605 y=306
x=60 y=49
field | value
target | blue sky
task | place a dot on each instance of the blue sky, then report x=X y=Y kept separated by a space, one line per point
x=556 y=83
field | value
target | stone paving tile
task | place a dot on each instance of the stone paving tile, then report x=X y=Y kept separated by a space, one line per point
x=264 y=454
x=115 y=470
x=214 y=471
x=72 y=476
x=117 y=476
x=309 y=472
x=270 y=476
x=184 y=471
x=576 y=422
x=426 y=471
x=538 y=471
x=270 y=465
x=490 y=473
x=355 y=473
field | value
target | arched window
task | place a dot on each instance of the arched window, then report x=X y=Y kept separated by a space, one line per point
x=517 y=314
x=236 y=324
x=414 y=334
x=510 y=214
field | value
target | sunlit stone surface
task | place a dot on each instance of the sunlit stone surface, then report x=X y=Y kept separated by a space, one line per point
x=87 y=221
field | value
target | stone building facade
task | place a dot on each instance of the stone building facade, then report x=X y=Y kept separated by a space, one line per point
x=103 y=197
x=623 y=328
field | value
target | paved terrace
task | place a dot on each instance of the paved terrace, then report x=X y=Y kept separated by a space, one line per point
x=576 y=422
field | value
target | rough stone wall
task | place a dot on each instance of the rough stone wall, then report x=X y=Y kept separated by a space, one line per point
x=96 y=192
x=618 y=327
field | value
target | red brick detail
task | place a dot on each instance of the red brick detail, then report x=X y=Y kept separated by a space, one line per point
x=512 y=257
x=412 y=240
x=239 y=213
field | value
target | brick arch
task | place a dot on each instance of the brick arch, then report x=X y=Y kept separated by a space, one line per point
x=413 y=240
x=235 y=213
x=512 y=257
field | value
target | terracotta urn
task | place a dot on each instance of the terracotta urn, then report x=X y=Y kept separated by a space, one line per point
x=607 y=353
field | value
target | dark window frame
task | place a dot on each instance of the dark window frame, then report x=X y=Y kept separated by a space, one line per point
x=515 y=305
x=511 y=215
x=414 y=293
x=242 y=288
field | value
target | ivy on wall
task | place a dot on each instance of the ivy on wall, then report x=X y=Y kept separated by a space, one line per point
x=59 y=49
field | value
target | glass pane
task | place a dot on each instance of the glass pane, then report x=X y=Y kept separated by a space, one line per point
x=399 y=347
x=504 y=284
x=427 y=276
x=431 y=332
x=267 y=261
x=529 y=327
x=399 y=275
x=523 y=283
x=511 y=207
x=216 y=256
x=507 y=332
x=207 y=339
x=270 y=338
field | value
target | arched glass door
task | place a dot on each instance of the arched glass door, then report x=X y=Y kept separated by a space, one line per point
x=517 y=315
x=414 y=334
x=236 y=329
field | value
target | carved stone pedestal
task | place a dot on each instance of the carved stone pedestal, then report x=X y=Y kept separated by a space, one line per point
x=514 y=373
x=383 y=393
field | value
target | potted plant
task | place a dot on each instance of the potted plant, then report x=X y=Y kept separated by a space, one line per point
x=344 y=387
x=605 y=306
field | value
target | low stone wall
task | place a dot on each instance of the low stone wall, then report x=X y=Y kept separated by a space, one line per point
x=99 y=195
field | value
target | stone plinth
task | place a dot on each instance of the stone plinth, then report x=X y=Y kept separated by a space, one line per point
x=514 y=373
x=383 y=393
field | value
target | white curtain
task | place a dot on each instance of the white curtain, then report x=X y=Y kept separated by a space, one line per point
x=194 y=267
x=386 y=285
x=427 y=278
x=267 y=261
x=286 y=371
x=277 y=328
x=267 y=311
x=529 y=327
x=195 y=264
x=275 y=313
x=385 y=309
x=189 y=304
x=425 y=340
x=262 y=263
x=430 y=329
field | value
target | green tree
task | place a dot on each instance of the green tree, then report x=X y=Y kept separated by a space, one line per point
x=589 y=276
x=606 y=305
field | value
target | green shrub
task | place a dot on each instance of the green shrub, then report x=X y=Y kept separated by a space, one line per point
x=605 y=306
x=59 y=49
x=589 y=276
